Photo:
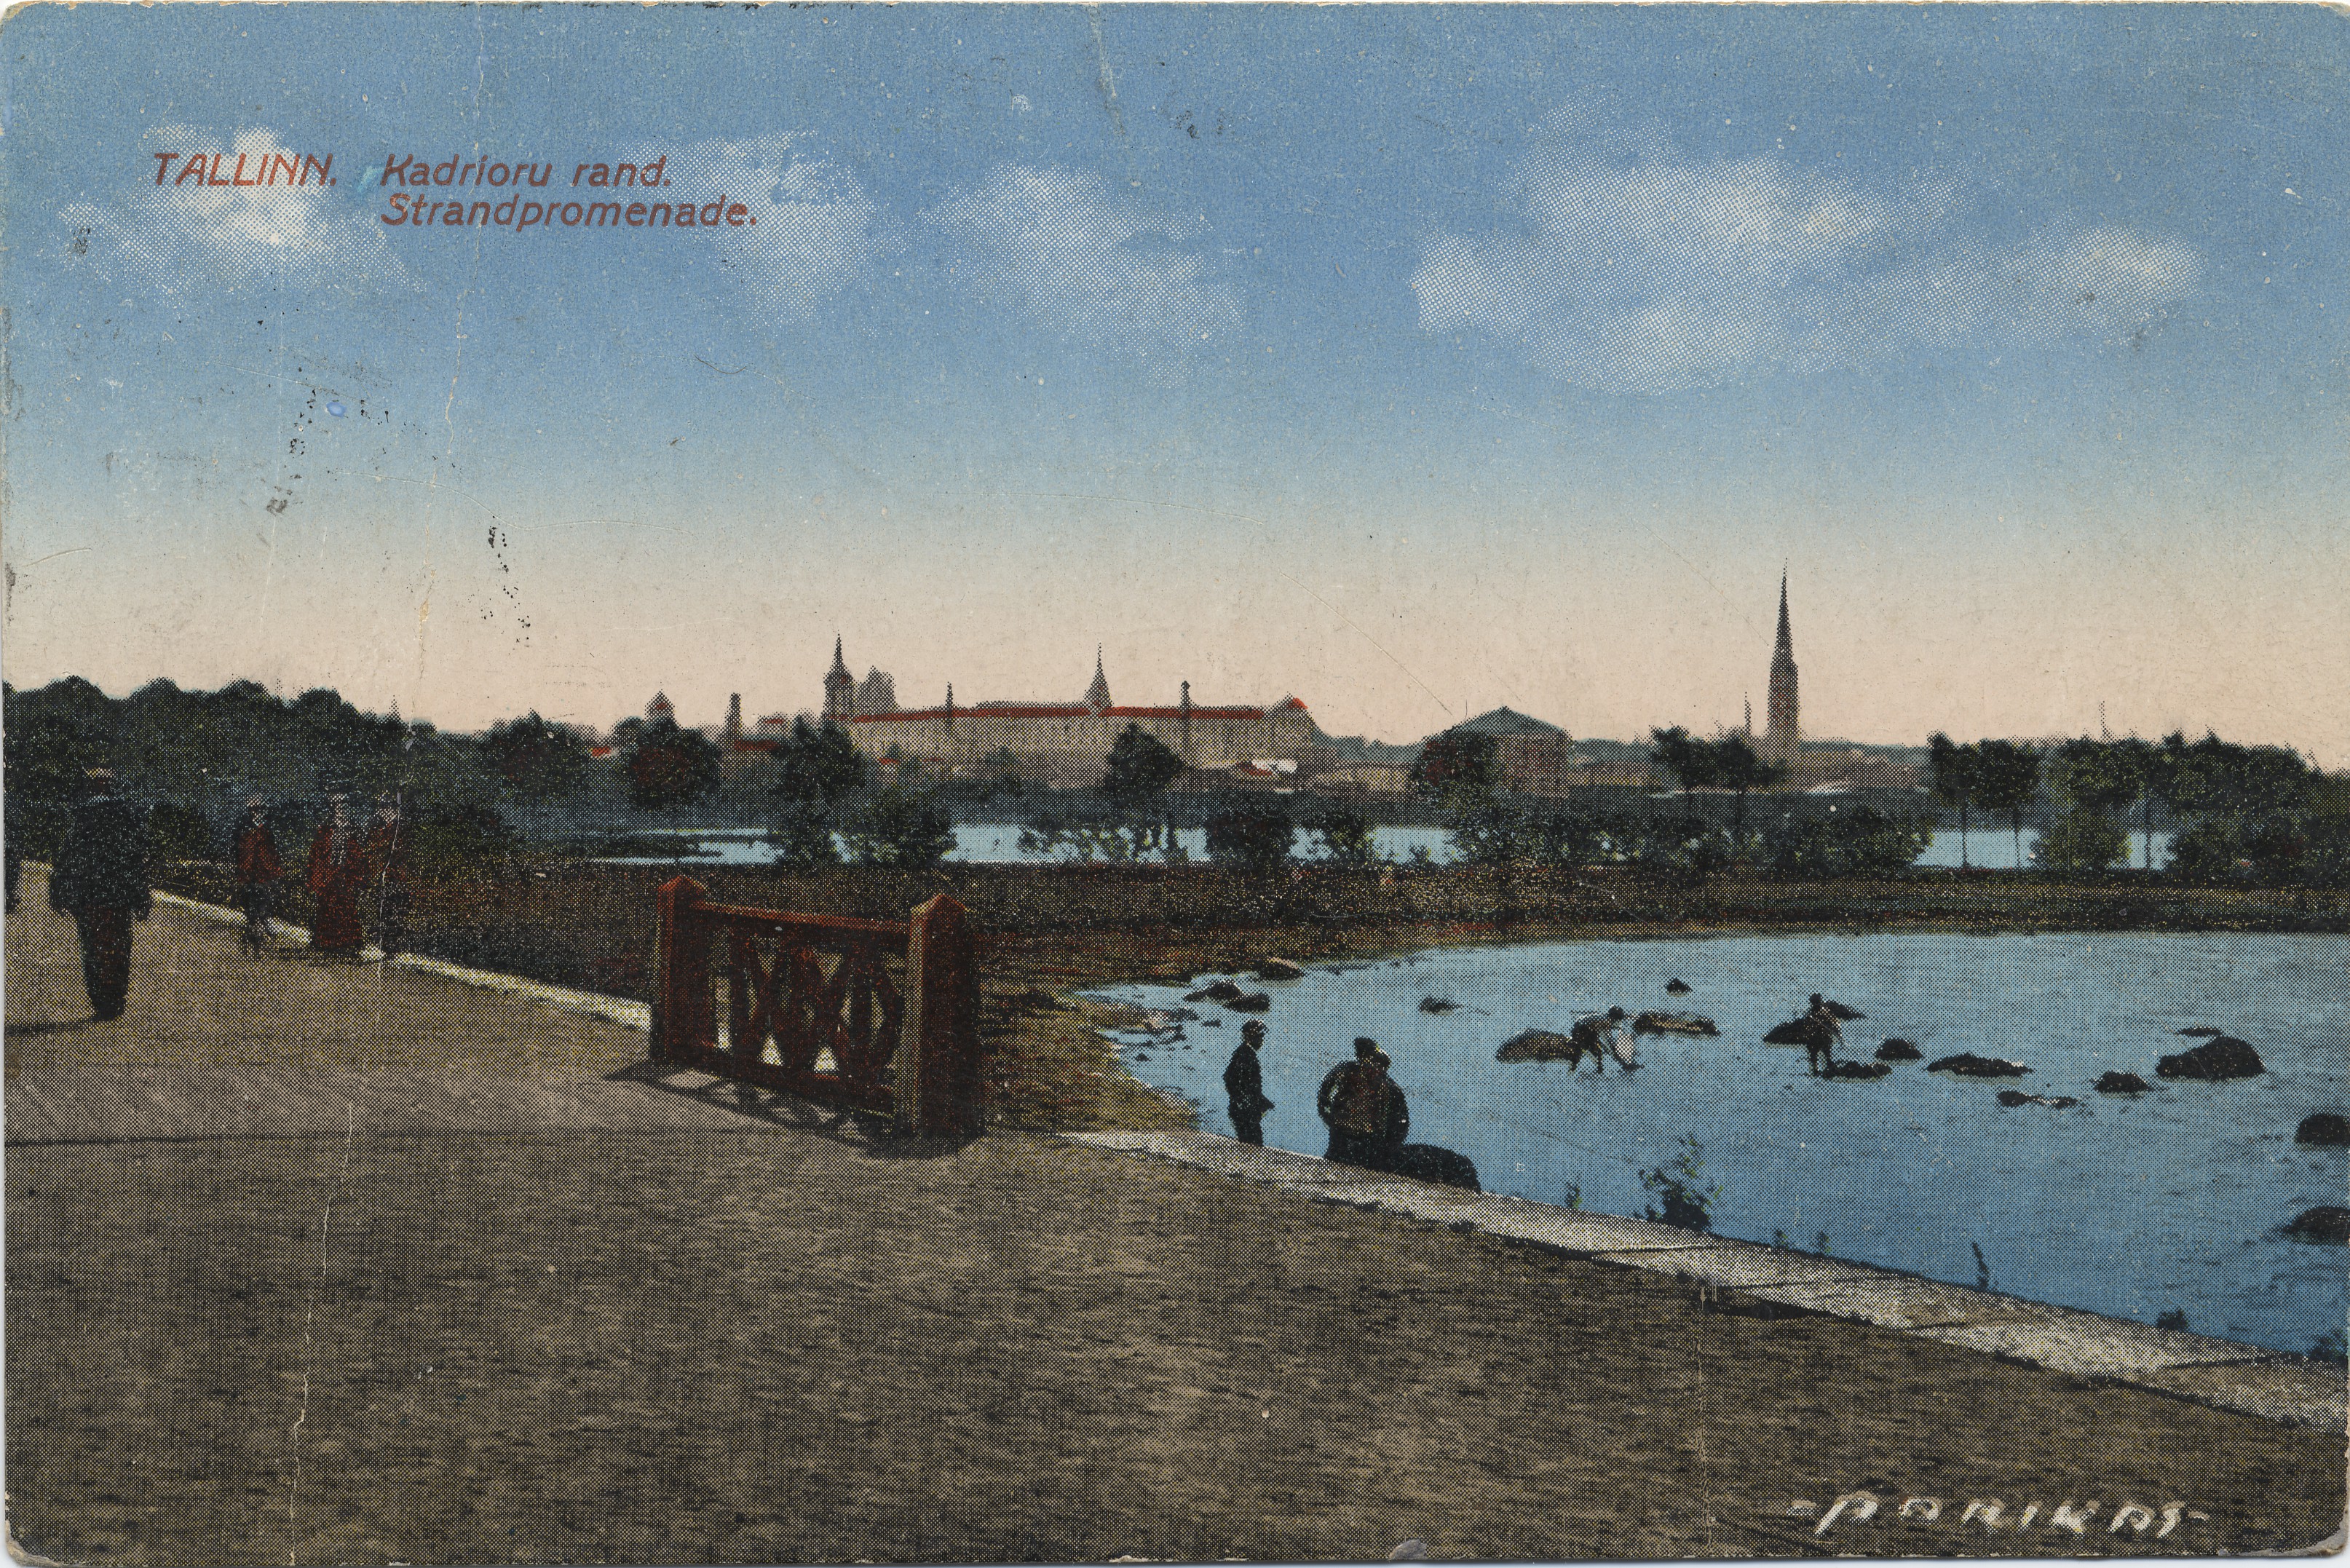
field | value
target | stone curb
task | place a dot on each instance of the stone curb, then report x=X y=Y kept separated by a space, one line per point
x=2248 y=1379
x=615 y=1009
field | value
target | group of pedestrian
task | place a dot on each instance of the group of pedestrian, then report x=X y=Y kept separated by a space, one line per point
x=1361 y=1104
x=346 y=868
x=103 y=878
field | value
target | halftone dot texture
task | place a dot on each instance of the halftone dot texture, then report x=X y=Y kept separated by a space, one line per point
x=810 y=228
x=1066 y=251
x=193 y=237
x=1648 y=271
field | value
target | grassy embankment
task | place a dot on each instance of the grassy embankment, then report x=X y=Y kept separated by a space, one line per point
x=1046 y=931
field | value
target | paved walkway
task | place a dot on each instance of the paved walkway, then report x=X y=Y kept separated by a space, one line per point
x=314 y=1262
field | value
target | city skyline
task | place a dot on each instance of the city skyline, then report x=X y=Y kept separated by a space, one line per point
x=1414 y=362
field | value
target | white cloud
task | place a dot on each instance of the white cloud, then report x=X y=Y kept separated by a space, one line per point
x=1086 y=262
x=1658 y=272
x=190 y=236
x=812 y=226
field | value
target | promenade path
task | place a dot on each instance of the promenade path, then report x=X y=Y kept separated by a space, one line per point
x=313 y=1262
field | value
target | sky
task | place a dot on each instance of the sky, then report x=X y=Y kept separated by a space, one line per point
x=1411 y=361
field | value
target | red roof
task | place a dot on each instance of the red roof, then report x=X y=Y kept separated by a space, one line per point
x=1070 y=710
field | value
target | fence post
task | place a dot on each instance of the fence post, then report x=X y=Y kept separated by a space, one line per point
x=937 y=1054
x=681 y=991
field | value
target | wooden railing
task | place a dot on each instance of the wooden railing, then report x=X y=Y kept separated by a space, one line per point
x=868 y=1015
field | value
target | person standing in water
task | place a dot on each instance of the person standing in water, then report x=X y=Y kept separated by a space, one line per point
x=1245 y=1085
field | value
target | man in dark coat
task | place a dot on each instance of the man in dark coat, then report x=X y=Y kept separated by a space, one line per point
x=1366 y=1112
x=100 y=879
x=258 y=873
x=1245 y=1085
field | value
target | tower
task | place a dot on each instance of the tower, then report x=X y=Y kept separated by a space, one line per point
x=1097 y=694
x=840 y=688
x=1779 y=734
x=734 y=731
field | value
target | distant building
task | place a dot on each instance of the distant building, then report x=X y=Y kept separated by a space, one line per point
x=661 y=708
x=1067 y=743
x=1535 y=757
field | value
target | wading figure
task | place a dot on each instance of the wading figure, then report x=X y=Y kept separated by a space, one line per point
x=1822 y=1034
x=100 y=880
x=337 y=874
x=1365 y=1111
x=1245 y=1085
x=258 y=873
x=1597 y=1036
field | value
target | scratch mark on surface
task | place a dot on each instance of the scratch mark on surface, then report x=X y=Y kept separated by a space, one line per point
x=720 y=369
x=1109 y=81
x=53 y=555
x=294 y=1438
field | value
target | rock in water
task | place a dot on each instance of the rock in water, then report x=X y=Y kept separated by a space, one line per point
x=1253 y=1001
x=2326 y=1128
x=1898 y=1051
x=1673 y=1023
x=1278 y=969
x=1967 y=1065
x=2196 y=1029
x=1438 y=1004
x=1676 y=988
x=2014 y=1097
x=1857 y=1069
x=1427 y=1162
x=1800 y=1030
x=2322 y=1224
x=1539 y=1045
x=1838 y=1010
x=2222 y=1056
x=1222 y=990
x=2123 y=1083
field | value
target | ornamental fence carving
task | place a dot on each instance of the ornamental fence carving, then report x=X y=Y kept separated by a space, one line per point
x=866 y=1015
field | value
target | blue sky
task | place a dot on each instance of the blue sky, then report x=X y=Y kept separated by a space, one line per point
x=1411 y=359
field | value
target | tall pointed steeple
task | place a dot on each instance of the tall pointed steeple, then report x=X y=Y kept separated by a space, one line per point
x=1097 y=694
x=839 y=687
x=1781 y=735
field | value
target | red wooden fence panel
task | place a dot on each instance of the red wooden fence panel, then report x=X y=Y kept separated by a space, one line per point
x=868 y=1015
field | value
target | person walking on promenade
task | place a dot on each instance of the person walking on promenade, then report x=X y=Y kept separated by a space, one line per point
x=337 y=874
x=258 y=872
x=387 y=859
x=1245 y=1085
x=1365 y=1111
x=100 y=879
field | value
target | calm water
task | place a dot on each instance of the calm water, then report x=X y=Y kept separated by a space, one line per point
x=996 y=844
x=2174 y=1199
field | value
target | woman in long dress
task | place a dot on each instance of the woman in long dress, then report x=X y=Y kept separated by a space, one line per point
x=337 y=874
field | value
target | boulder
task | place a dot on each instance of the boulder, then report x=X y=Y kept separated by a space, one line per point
x=1539 y=1045
x=1278 y=969
x=2222 y=1056
x=1857 y=1069
x=1898 y=1051
x=1804 y=1031
x=1673 y=1023
x=2123 y=1083
x=2328 y=1129
x=1427 y=1162
x=1222 y=990
x=2326 y=1223
x=1438 y=1004
x=2196 y=1029
x=1676 y=988
x=2012 y=1098
x=1253 y=1001
x=1967 y=1065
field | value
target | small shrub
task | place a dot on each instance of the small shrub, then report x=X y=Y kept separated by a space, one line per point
x=2172 y=1317
x=1684 y=1196
x=1250 y=833
x=900 y=830
x=2081 y=842
x=1345 y=832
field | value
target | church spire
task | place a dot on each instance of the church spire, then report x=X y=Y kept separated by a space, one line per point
x=1097 y=694
x=839 y=687
x=1780 y=735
